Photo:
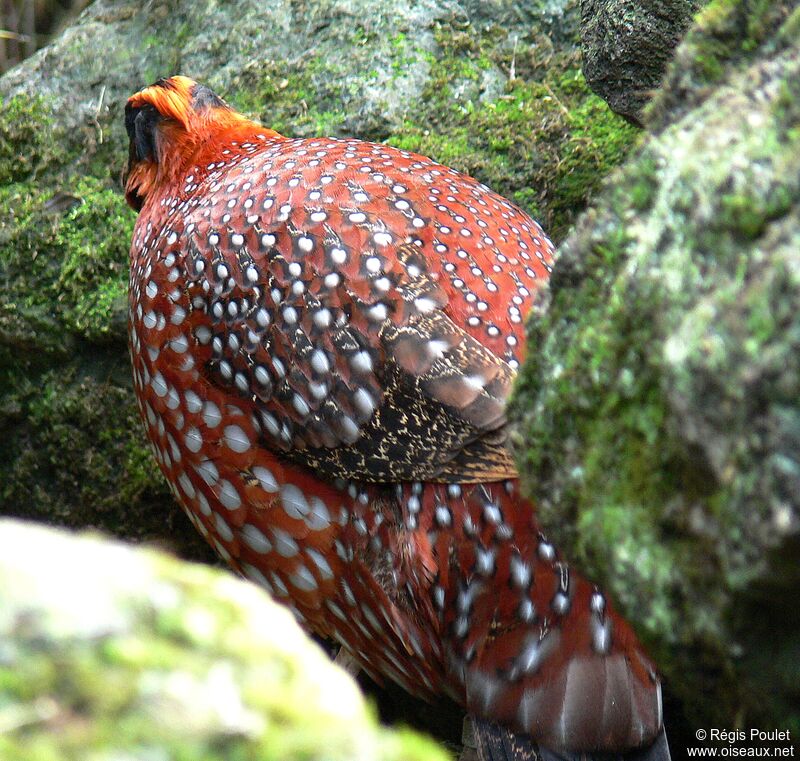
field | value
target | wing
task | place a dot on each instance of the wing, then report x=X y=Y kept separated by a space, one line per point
x=359 y=299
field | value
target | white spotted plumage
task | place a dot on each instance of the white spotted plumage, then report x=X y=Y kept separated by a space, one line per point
x=308 y=315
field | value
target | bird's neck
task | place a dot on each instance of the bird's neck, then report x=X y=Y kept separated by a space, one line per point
x=181 y=149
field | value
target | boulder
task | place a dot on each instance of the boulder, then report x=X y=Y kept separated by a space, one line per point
x=626 y=46
x=658 y=411
x=110 y=652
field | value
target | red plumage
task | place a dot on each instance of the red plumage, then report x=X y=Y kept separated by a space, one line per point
x=323 y=335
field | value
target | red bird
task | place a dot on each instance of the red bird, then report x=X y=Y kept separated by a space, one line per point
x=324 y=333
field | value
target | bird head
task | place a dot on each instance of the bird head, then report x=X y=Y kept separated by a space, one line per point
x=169 y=124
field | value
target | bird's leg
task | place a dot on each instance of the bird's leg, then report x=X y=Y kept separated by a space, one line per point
x=346 y=661
x=469 y=749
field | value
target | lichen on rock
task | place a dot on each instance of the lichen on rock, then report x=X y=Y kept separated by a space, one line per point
x=659 y=426
x=108 y=652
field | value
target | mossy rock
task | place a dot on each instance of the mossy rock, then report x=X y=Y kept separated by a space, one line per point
x=492 y=89
x=659 y=416
x=110 y=652
x=626 y=48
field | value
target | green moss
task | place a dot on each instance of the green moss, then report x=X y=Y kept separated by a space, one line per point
x=544 y=140
x=89 y=425
x=656 y=412
x=93 y=280
x=727 y=35
x=26 y=143
x=298 y=99
x=63 y=258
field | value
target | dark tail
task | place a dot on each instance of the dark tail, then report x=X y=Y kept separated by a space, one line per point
x=496 y=743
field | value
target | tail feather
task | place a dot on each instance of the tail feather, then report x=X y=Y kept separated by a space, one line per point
x=497 y=743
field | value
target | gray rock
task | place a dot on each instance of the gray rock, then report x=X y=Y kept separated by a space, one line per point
x=626 y=46
x=659 y=417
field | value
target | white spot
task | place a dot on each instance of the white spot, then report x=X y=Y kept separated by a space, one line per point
x=424 y=304
x=301 y=405
x=186 y=485
x=255 y=539
x=306 y=245
x=223 y=529
x=319 y=561
x=491 y=514
x=303 y=579
x=601 y=634
x=205 y=508
x=266 y=479
x=378 y=312
x=193 y=439
x=437 y=348
x=322 y=318
x=211 y=415
x=255 y=575
x=283 y=543
x=318 y=518
x=173 y=400
x=361 y=362
x=560 y=603
x=228 y=495
x=294 y=501
x=179 y=344
x=484 y=561
x=319 y=361
x=350 y=431
x=364 y=403
x=193 y=402
x=236 y=438
x=546 y=551
x=159 y=384
x=520 y=572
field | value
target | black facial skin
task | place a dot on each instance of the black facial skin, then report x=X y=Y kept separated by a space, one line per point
x=141 y=124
